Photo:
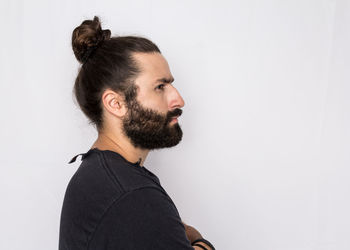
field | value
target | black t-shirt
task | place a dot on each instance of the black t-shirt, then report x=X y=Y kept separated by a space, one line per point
x=111 y=203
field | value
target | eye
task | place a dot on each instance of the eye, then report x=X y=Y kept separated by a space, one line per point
x=160 y=86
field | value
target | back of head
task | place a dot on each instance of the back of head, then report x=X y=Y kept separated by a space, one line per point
x=107 y=62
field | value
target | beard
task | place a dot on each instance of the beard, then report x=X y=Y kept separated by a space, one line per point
x=149 y=129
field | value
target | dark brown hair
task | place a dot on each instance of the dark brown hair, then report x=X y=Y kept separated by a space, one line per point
x=106 y=63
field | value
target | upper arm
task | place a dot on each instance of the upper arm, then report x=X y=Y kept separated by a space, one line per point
x=142 y=219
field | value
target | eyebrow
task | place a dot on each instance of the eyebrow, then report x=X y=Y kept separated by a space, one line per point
x=165 y=80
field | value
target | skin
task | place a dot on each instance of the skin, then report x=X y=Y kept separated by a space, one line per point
x=160 y=96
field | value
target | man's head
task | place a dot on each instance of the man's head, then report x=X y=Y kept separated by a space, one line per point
x=126 y=82
x=150 y=121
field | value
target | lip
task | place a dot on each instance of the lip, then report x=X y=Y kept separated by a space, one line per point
x=174 y=119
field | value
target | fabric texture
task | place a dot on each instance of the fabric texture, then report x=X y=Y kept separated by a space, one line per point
x=111 y=203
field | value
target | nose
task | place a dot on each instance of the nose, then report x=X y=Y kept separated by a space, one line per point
x=176 y=100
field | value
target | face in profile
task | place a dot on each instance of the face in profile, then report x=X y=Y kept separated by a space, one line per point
x=149 y=121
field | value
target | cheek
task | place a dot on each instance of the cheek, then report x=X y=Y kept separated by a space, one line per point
x=159 y=105
x=156 y=102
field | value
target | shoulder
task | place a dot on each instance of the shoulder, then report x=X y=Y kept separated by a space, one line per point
x=100 y=183
x=103 y=179
x=107 y=170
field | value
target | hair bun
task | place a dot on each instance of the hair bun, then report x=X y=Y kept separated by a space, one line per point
x=86 y=38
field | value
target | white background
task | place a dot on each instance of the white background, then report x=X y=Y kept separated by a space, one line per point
x=264 y=161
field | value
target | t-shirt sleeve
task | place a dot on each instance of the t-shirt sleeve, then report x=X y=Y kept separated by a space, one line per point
x=142 y=219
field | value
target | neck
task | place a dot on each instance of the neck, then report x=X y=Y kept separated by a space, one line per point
x=121 y=145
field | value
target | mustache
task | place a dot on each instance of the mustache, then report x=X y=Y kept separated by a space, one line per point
x=172 y=113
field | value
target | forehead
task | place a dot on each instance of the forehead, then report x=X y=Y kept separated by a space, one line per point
x=152 y=65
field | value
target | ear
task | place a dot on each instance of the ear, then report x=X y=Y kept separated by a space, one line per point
x=114 y=103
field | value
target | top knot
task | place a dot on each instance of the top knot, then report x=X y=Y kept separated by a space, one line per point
x=87 y=37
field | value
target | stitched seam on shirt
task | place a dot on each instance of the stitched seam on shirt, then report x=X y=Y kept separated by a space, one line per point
x=150 y=178
x=116 y=180
x=111 y=205
x=110 y=174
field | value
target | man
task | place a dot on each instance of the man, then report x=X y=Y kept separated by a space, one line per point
x=151 y=122
x=113 y=201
